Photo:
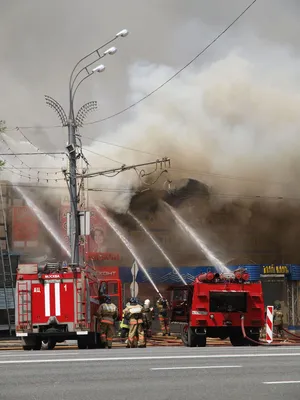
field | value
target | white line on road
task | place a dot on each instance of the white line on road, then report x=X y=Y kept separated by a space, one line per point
x=280 y=382
x=183 y=357
x=42 y=353
x=203 y=367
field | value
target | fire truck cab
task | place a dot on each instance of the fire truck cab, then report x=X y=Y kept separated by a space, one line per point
x=55 y=303
x=214 y=305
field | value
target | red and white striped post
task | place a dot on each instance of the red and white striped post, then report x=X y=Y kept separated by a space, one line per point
x=269 y=324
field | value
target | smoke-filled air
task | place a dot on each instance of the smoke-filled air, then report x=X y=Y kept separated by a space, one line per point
x=232 y=124
x=230 y=120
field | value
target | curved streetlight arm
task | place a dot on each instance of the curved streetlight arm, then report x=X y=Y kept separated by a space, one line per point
x=88 y=73
x=80 y=82
x=85 y=57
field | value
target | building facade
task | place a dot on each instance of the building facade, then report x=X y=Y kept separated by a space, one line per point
x=238 y=234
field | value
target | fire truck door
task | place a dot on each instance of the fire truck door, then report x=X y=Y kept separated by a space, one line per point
x=179 y=305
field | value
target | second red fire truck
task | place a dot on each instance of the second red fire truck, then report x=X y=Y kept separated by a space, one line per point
x=219 y=306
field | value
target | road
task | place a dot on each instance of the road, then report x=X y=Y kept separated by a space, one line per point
x=152 y=374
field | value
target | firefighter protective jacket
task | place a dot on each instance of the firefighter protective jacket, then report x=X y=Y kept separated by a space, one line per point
x=149 y=315
x=134 y=313
x=107 y=313
x=163 y=308
x=278 y=318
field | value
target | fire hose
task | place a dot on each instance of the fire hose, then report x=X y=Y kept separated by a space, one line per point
x=292 y=334
x=258 y=342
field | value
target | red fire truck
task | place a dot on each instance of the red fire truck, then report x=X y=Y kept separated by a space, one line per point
x=55 y=303
x=219 y=306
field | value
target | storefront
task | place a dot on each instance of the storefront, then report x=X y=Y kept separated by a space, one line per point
x=274 y=280
x=280 y=283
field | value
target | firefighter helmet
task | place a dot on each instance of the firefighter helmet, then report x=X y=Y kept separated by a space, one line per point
x=277 y=305
x=107 y=299
x=147 y=303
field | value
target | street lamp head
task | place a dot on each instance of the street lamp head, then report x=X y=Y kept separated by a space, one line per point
x=100 y=68
x=122 y=33
x=111 y=51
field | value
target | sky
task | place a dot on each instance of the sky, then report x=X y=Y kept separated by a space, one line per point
x=41 y=41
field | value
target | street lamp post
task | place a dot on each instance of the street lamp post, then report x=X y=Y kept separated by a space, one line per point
x=72 y=123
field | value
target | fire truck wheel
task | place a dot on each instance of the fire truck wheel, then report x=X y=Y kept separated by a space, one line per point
x=255 y=337
x=184 y=334
x=48 y=344
x=92 y=340
x=26 y=348
x=38 y=345
x=201 y=340
x=82 y=343
x=237 y=340
x=192 y=338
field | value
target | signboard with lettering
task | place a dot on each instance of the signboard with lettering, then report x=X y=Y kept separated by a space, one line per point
x=102 y=256
x=275 y=269
x=107 y=272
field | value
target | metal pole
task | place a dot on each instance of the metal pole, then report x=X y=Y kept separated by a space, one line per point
x=74 y=231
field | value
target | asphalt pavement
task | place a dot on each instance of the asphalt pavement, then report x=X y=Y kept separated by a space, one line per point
x=153 y=373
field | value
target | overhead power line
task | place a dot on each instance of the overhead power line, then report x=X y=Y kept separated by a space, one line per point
x=120 y=146
x=168 y=80
x=132 y=191
x=29 y=154
x=179 y=71
x=24 y=165
x=52 y=155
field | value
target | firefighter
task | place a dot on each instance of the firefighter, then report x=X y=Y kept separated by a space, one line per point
x=107 y=314
x=163 y=311
x=134 y=313
x=124 y=325
x=278 y=320
x=149 y=316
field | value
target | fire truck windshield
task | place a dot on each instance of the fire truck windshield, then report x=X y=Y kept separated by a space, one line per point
x=228 y=302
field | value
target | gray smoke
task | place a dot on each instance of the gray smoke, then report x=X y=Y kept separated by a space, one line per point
x=232 y=124
x=233 y=113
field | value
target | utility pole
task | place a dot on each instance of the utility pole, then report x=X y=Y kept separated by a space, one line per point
x=74 y=221
x=73 y=123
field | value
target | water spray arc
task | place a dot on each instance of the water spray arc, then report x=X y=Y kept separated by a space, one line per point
x=157 y=245
x=129 y=246
x=187 y=229
x=43 y=218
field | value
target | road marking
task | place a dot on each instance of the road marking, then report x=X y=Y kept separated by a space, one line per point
x=203 y=367
x=35 y=353
x=183 y=357
x=280 y=382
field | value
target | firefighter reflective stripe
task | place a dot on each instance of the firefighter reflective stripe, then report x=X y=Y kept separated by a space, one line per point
x=47 y=299
x=52 y=290
x=136 y=310
x=57 y=299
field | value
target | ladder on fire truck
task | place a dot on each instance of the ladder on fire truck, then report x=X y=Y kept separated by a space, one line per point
x=7 y=283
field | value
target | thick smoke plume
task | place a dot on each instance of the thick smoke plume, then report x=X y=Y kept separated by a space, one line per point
x=232 y=124
x=230 y=121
